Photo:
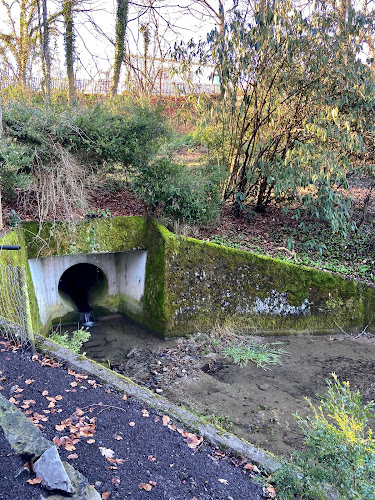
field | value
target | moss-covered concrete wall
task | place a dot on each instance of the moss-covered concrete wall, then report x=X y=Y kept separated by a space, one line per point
x=208 y=284
x=19 y=258
x=190 y=284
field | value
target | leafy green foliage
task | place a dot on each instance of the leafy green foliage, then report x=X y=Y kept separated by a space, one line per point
x=99 y=136
x=73 y=341
x=290 y=119
x=242 y=348
x=56 y=151
x=341 y=450
x=190 y=195
x=259 y=353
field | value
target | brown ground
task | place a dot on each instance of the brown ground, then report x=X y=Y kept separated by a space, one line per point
x=259 y=403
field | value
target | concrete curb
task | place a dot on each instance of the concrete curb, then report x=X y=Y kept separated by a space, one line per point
x=193 y=423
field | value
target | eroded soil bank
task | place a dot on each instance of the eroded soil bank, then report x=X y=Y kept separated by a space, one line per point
x=259 y=403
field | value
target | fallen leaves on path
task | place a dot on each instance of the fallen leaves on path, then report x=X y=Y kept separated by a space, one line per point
x=145 y=486
x=166 y=420
x=36 y=480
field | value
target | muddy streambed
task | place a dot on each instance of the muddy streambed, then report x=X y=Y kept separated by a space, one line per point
x=256 y=404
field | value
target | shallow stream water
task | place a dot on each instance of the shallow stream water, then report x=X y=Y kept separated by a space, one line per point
x=259 y=403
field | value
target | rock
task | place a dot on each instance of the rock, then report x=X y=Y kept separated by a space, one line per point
x=83 y=491
x=13 y=389
x=263 y=387
x=50 y=469
x=23 y=436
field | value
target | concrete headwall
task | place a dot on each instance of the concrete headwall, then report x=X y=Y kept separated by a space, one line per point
x=124 y=274
x=175 y=285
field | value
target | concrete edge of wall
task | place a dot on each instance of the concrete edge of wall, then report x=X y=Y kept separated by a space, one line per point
x=213 y=435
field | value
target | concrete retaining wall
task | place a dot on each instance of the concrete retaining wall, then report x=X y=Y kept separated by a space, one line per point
x=175 y=285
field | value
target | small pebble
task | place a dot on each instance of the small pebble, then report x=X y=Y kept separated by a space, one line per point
x=264 y=387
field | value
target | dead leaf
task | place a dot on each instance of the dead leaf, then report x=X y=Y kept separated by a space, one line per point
x=72 y=456
x=106 y=452
x=19 y=390
x=145 y=413
x=69 y=447
x=271 y=492
x=118 y=438
x=145 y=486
x=132 y=424
x=106 y=495
x=223 y=481
x=60 y=428
x=151 y=458
x=44 y=393
x=116 y=480
x=166 y=420
x=249 y=467
x=124 y=397
x=154 y=483
x=29 y=381
x=58 y=397
x=73 y=384
x=36 y=480
x=192 y=441
x=90 y=441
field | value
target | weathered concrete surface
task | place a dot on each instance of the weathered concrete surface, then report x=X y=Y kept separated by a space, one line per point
x=51 y=470
x=124 y=275
x=23 y=436
x=190 y=421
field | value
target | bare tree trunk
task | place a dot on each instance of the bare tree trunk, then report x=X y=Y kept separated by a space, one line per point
x=121 y=23
x=45 y=52
x=23 y=44
x=69 y=47
x=221 y=17
x=146 y=41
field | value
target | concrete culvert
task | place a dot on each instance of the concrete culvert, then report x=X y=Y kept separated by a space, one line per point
x=84 y=285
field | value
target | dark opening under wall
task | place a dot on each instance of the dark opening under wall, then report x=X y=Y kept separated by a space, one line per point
x=84 y=285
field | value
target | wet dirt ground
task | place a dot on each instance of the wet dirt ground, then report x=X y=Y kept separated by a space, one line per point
x=258 y=405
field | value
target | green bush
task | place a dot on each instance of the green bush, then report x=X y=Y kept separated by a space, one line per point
x=101 y=136
x=92 y=137
x=340 y=457
x=73 y=341
x=192 y=195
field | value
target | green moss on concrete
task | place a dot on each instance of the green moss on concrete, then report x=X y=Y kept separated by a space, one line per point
x=208 y=284
x=19 y=258
x=192 y=284
x=118 y=234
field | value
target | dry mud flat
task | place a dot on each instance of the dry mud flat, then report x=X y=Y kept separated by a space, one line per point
x=260 y=403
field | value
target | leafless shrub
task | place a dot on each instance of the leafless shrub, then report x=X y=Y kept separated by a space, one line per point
x=61 y=189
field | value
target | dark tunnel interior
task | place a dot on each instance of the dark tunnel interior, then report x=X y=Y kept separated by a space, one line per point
x=84 y=284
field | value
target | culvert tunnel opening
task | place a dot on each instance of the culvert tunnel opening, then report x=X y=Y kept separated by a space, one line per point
x=83 y=286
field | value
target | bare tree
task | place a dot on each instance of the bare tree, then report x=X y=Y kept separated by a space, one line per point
x=121 y=23
x=20 y=39
x=69 y=47
x=45 y=50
